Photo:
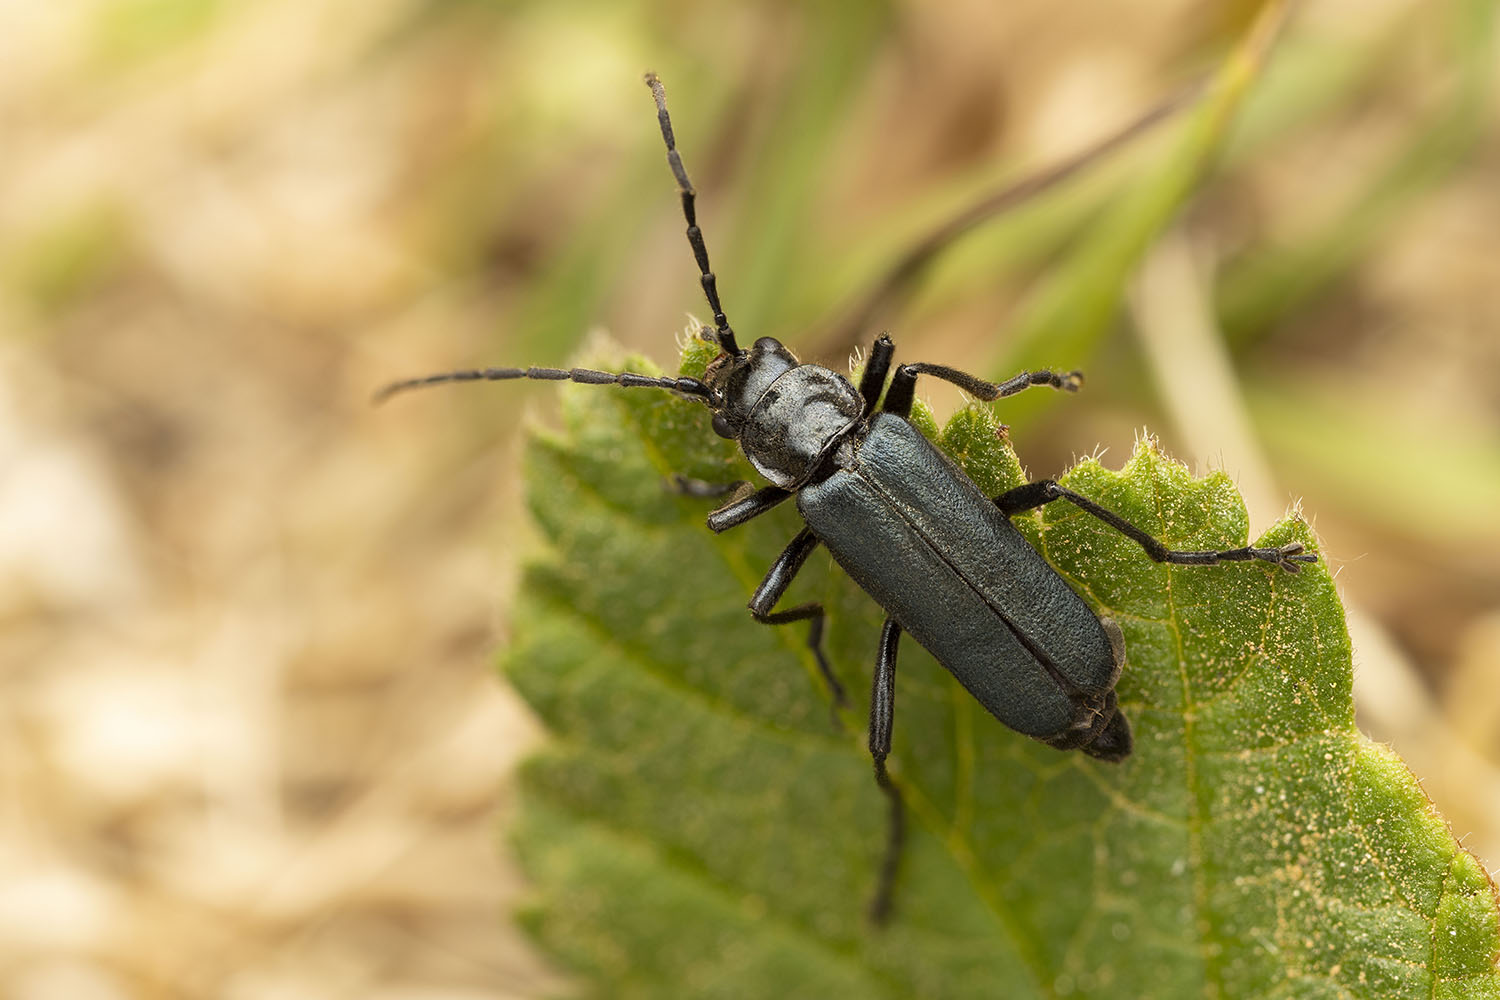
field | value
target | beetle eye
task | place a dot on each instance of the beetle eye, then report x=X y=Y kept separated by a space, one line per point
x=722 y=428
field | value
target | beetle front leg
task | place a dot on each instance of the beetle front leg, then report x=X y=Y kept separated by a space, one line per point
x=1045 y=491
x=882 y=720
x=687 y=486
x=780 y=576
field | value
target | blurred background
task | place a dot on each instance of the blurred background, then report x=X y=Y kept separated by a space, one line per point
x=252 y=743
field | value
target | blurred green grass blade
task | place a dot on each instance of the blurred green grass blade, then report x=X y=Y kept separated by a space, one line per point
x=758 y=263
x=1267 y=286
x=896 y=281
x=1077 y=304
x=1024 y=236
x=1309 y=77
x=563 y=301
x=779 y=199
x=698 y=830
x=1379 y=464
x=598 y=238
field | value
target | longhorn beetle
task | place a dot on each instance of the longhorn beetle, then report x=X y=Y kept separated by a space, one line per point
x=941 y=558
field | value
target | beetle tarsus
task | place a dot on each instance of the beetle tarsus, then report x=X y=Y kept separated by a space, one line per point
x=881 y=903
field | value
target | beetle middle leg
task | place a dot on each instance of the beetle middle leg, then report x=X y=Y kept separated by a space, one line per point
x=771 y=589
x=1044 y=491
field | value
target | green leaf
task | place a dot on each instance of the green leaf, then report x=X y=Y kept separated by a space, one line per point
x=699 y=828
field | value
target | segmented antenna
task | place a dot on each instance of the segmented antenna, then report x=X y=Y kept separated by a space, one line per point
x=722 y=332
x=586 y=376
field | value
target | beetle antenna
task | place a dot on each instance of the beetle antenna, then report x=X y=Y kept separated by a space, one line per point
x=722 y=332
x=586 y=376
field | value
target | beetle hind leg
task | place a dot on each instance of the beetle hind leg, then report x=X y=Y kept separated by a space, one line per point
x=1029 y=496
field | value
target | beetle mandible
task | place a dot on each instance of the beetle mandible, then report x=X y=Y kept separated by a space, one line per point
x=913 y=531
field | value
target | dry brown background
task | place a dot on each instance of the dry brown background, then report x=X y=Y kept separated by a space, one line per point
x=253 y=745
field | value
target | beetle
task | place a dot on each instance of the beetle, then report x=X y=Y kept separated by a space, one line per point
x=941 y=559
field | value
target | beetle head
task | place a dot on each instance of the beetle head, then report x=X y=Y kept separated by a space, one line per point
x=741 y=379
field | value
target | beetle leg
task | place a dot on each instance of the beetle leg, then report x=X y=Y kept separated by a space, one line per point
x=689 y=487
x=876 y=369
x=882 y=718
x=1044 y=491
x=769 y=592
x=898 y=397
x=743 y=508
